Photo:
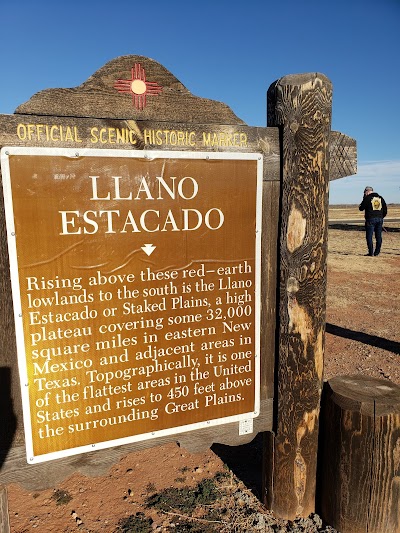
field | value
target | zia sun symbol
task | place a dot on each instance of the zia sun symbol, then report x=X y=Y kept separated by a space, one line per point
x=138 y=87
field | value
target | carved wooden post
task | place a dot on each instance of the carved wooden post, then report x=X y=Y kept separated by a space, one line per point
x=301 y=106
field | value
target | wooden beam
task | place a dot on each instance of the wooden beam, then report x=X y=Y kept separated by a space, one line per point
x=97 y=98
x=301 y=106
x=40 y=476
x=343 y=156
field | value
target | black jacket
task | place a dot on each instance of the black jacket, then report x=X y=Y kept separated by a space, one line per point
x=374 y=206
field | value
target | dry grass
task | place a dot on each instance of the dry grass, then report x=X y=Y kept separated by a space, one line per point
x=351 y=212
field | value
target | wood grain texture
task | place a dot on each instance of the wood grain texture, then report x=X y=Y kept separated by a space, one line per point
x=44 y=475
x=98 y=98
x=262 y=140
x=360 y=455
x=270 y=235
x=343 y=156
x=4 y=519
x=10 y=388
x=301 y=106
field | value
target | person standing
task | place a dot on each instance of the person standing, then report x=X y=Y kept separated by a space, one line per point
x=375 y=211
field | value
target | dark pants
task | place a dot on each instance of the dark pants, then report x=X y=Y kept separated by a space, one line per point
x=374 y=225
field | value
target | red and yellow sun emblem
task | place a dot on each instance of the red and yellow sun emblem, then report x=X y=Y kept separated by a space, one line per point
x=138 y=87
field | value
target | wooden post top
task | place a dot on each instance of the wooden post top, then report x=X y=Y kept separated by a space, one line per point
x=370 y=396
x=131 y=88
x=138 y=88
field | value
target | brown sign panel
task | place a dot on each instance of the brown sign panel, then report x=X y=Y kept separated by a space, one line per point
x=136 y=292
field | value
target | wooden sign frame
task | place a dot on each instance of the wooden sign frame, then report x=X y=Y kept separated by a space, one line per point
x=301 y=155
x=36 y=372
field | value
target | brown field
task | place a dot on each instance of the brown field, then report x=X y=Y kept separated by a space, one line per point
x=363 y=337
x=351 y=212
x=363 y=300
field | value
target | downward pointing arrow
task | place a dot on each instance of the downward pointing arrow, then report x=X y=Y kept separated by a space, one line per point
x=148 y=249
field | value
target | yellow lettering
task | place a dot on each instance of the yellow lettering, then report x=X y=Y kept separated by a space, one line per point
x=147 y=137
x=121 y=136
x=93 y=132
x=132 y=139
x=51 y=133
x=21 y=132
x=111 y=135
x=224 y=139
x=31 y=129
x=76 y=136
x=206 y=139
x=159 y=140
x=169 y=137
x=39 y=129
x=68 y=135
x=103 y=131
x=56 y=133
x=52 y=137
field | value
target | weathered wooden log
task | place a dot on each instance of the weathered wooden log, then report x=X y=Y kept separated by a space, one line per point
x=360 y=455
x=301 y=106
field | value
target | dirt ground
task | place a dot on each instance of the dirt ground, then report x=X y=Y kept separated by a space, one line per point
x=363 y=316
x=363 y=300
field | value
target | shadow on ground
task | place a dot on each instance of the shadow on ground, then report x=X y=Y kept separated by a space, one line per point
x=8 y=418
x=359 y=336
x=245 y=461
x=358 y=227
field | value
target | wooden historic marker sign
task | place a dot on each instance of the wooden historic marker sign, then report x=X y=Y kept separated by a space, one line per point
x=136 y=283
x=154 y=299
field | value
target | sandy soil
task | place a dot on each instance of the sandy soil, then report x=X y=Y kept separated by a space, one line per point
x=363 y=301
x=363 y=313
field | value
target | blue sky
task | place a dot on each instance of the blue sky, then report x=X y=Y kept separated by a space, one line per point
x=231 y=52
